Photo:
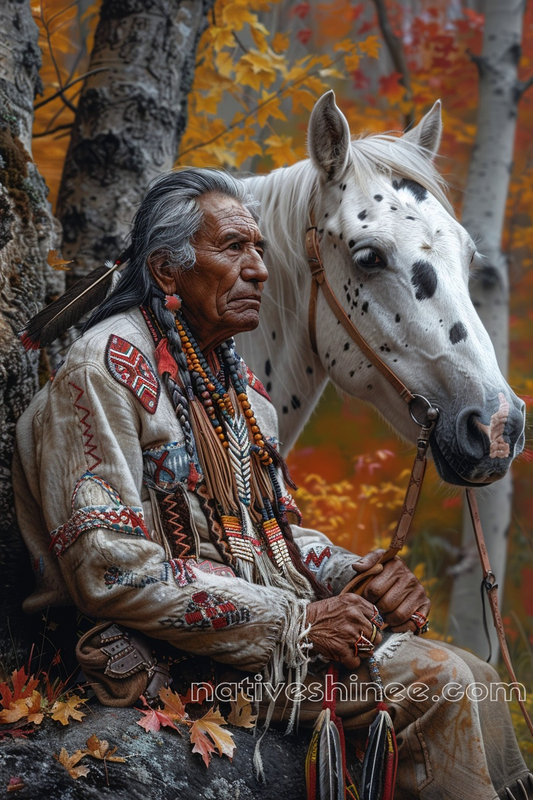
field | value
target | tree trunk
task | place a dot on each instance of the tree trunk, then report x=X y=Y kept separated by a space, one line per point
x=483 y=216
x=26 y=233
x=129 y=121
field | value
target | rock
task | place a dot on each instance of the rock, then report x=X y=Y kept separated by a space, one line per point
x=160 y=766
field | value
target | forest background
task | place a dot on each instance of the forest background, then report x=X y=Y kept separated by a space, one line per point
x=259 y=67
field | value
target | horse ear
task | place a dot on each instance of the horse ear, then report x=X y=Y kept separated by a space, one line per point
x=428 y=132
x=328 y=137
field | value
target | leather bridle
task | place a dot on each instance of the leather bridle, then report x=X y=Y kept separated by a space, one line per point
x=427 y=425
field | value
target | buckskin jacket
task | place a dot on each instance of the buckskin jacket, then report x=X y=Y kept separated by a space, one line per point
x=105 y=510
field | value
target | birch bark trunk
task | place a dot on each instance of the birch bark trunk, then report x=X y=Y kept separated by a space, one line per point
x=483 y=216
x=26 y=235
x=129 y=121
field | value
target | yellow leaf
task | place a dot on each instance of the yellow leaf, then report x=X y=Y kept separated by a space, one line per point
x=172 y=705
x=224 y=64
x=280 y=42
x=63 y=711
x=207 y=733
x=269 y=109
x=235 y=15
x=370 y=46
x=279 y=148
x=246 y=148
x=100 y=749
x=302 y=99
x=222 y=37
x=241 y=713
x=351 y=62
x=346 y=44
x=255 y=69
x=259 y=39
x=207 y=103
x=69 y=762
x=56 y=262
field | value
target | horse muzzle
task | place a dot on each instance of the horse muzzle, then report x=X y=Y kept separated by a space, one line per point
x=478 y=445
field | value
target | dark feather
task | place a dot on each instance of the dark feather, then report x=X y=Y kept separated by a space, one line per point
x=57 y=317
x=330 y=773
x=381 y=758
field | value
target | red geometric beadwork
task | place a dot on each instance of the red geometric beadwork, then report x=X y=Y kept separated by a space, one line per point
x=130 y=367
x=255 y=383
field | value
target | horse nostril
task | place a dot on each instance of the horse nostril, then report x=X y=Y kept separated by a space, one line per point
x=473 y=441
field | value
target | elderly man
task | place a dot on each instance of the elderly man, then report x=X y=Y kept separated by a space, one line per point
x=150 y=460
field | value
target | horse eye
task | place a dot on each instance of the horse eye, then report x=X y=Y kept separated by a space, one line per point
x=368 y=259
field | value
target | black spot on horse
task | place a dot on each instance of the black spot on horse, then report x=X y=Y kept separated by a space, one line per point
x=346 y=345
x=309 y=370
x=357 y=292
x=273 y=334
x=351 y=243
x=268 y=367
x=458 y=333
x=424 y=279
x=362 y=215
x=393 y=208
x=321 y=230
x=326 y=215
x=330 y=233
x=397 y=318
x=295 y=402
x=327 y=355
x=333 y=362
x=352 y=373
x=378 y=197
x=340 y=235
x=285 y=410
x=369 y=386
x=364 y=307
x=419 y=192
x=268 y=387
x=409 y=218
x=365 y=226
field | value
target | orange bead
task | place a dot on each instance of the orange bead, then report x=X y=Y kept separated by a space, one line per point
x=250 y=415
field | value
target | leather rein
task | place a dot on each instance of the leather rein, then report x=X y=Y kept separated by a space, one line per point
x=427 y=424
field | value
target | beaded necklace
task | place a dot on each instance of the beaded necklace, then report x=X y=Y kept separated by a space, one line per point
x=245 y=488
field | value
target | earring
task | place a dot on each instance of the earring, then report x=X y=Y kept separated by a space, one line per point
x=173 y=302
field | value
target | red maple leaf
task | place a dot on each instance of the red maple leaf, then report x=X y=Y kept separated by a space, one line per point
x=304 y=35
x=301 y=10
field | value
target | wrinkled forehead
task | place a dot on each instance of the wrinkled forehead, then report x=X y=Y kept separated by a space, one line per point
x=222 y=213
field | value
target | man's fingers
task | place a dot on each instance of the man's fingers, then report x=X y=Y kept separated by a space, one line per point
x=367 y=561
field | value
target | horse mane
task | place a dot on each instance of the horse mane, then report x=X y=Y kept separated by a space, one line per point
x=287 y=194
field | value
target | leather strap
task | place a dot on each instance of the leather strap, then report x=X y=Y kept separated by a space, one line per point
x=319 y=280
x=491 y=587
x=414 y=487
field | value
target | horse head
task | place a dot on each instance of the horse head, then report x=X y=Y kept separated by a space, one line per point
x=398 y=261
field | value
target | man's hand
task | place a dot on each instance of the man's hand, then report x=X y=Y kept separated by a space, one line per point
x=336 y=625
x=395 y=591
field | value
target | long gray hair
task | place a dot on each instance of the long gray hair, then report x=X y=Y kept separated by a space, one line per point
x=167 y=219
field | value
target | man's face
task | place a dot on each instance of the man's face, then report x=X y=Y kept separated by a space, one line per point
x=222 y=293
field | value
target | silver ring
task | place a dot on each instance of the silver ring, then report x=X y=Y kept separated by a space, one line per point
x=432 y=412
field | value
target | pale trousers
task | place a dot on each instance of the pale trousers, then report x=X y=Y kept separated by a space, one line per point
x=448 y=748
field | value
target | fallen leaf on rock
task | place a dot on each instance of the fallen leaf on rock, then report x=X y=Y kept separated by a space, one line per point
x=155 y=719
x=207 y=733
x=101 y=750
x=29 y=707
x=241 y=713
x=172 y=704
x=69 y=762
x=15 y=783
x=62 y=711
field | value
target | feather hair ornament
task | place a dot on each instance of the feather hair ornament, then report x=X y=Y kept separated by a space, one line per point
x=57 y=317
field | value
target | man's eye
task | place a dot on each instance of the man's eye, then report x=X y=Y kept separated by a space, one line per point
x=235 y=246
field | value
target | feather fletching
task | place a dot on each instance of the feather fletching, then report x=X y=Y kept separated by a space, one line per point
x=57 y=317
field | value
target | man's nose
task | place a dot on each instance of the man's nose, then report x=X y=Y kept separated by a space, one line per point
x=254 y=268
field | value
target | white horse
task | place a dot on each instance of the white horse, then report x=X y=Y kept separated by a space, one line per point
x=398 y=261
